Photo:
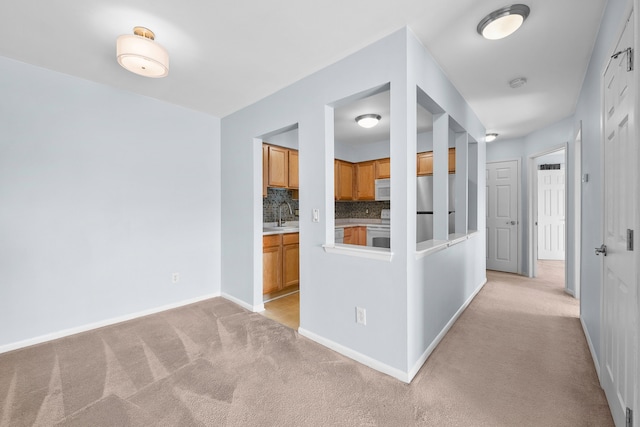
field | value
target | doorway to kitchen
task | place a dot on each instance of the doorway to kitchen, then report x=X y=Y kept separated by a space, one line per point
x=280 y=286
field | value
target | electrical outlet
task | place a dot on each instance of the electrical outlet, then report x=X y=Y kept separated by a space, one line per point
x=175 y=277
x=316 y=215
x=361 y=316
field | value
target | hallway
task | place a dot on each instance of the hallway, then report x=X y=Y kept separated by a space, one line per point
x=518 y=356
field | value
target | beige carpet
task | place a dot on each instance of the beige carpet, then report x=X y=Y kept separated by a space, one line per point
x=516 y=357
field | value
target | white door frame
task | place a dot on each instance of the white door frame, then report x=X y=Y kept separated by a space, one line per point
x=519 y=201
x=577 y=212
x=532 y=196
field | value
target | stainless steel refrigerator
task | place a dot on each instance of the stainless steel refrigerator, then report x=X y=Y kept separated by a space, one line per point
x=425 y=207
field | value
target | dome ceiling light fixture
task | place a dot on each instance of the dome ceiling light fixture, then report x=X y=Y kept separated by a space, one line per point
x=368 y=120
x=490 y=137
x=503 y=22
x=140 y=54
x=518 y=82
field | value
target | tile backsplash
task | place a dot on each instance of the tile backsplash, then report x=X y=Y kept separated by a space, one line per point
x=365 y=210
x=271 y=204
x=344 y=210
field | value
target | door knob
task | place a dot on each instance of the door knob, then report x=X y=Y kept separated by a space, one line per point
x=511 y=223
x=602 y=250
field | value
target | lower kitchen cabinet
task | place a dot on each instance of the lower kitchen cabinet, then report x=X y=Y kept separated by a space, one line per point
x=291 y=259
x=280 y=262
x=355 y=236
x=271 y=263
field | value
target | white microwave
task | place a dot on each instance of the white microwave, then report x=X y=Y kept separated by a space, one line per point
x=383 y=189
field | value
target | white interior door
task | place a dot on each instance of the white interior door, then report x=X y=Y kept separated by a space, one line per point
x=620 y=280
x=502 y=216
x=551 y=214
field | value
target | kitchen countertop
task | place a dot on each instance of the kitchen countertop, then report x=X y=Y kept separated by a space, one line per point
x=270 y=228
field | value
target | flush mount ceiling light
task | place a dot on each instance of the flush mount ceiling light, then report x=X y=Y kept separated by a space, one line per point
x=368 y=120
x=490 y=137
x=518 y=82
x=503 y=22
x=139 y=54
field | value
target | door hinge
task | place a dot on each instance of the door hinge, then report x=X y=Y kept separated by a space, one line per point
x=629 y=239
x=629 y=418
x=629 y=53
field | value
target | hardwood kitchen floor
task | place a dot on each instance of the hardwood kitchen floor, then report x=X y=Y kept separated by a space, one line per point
x=285 y=310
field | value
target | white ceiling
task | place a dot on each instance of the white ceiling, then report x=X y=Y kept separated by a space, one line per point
x=227 y=54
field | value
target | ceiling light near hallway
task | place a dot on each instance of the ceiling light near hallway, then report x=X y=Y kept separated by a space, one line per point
x=518 y=82
x=490 y=137
x=503 y=22
x=139 y=53
x=368 y=120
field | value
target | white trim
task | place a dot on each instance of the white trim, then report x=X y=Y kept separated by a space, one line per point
x=592 y=350
x=382 y=254
x=398 y=374
x=418 y=365
x=254 y=308
x=432 y=246
x=100 y=324
x=358 y=357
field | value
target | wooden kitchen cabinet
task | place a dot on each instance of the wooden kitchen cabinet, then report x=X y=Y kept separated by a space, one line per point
x=425 y=162
x=343 y=180
x=452 y=160
x=280 y=261
x=265 y=169
x=365 y=180
x=355 y=236
x=383 y=168
x=278 y=167
x=290 y=259
x=293 y=181
x=271 y=263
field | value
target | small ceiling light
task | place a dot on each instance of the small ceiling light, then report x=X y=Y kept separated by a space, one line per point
x=503 y=22
x=139 y=54
x=517 y=83
x=490 y=137
x=368 y=120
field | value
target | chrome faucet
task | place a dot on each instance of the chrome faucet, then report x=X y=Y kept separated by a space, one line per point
x=280 y=221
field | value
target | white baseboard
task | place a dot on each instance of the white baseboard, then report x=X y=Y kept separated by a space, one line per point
x=423 y=358
x=591 y=349
x=358 y=357
x=254 y=308
x=84 y=328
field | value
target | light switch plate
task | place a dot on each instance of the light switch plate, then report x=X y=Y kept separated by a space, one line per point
x=316 y=215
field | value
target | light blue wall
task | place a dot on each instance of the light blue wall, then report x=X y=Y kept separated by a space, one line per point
x=103 y=195
x=332 y=285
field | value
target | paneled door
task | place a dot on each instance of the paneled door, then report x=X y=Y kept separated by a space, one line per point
x=619 y=350
x=551 y=216
x=502 y=216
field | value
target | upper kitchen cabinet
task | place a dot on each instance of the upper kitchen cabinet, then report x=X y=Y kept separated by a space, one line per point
x=343 y=180
x=293 y=169
x=365 y=180
x=280 y=168
x=425 y=162
x=265 y=169
x=383 y=168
